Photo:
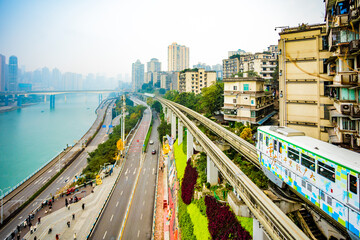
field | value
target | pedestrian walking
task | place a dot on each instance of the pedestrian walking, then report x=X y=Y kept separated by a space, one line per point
x=18 y=236
x=83 y=206
x=39 y=220
x=68 y=224
x=53 y=199
x=66 y=202
x=35 y=238
x=57 y=236
x=73 y=216
x=74 y=236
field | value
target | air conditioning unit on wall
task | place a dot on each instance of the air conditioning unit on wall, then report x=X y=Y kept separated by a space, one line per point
x=346 y=108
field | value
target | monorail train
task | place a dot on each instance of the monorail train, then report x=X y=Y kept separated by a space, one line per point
x=325 y=174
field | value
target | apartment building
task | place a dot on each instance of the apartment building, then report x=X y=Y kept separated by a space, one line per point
x=342 y=39
x=231 y=67
x=194 y=80
x=178 y=57
x=303 y=80
x=247 y=100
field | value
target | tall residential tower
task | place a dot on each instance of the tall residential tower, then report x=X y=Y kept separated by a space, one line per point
x=178 y=57
x=137 y=75
x=2 y=73
x=13 y=74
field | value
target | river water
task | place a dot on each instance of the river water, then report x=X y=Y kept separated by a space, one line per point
x=31 y=136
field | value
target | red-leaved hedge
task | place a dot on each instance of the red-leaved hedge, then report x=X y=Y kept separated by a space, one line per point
x=222 y=222
x=188 y=183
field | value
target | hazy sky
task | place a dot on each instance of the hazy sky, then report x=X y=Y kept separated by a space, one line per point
x=106 y=36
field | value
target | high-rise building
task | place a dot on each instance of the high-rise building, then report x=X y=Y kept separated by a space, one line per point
x=137 y=75
x=13 y=74
x=2 y=73
x=303 y=80
x=56 y=79
x=154 y=65
x=178 y=57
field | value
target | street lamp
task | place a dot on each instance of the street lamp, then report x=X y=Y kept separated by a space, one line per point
x=2 y=204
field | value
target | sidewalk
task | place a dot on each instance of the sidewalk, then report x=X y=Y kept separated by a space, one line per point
x=84 y=219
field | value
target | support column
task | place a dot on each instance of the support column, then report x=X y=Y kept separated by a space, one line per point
x=168 y=114
x=212 y=172
x=52 y=101
x=173 y=126
x=190 y=144
x=180 y=132
x=100 y=98
x=19 y=100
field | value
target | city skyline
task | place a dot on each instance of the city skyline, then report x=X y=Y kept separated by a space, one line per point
x=92 y=37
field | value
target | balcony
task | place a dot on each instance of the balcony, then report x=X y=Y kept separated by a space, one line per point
x=339 y=36
x=347 y=78
x=341 y=20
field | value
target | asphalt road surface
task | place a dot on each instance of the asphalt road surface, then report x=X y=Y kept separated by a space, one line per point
x=113 y=216
x=62 y=180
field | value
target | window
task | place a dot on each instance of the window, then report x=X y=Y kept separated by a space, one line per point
x=267 y=141
x=280 y=147
x=234 y=87
x=322 y=195
x=303 y=183
x=329 y=200
x=252 y=102
x=308 y=162
x=326 y=171
x=353 y=184
x=246 y=87
x=293 y=154
x=234 y=100
x=309 y=187
x=275 y=145
x=253 y=114
x=347 y=94
x=261 y=137
x=348 y=124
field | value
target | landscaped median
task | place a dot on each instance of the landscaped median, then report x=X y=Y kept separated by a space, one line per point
x=202 y=216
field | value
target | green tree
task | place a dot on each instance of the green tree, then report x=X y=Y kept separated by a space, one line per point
x=162 y=91
x=157 y=106
x=212 y=98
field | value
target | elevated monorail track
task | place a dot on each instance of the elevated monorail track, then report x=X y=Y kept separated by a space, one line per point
x=248 y=151
x=275 y=223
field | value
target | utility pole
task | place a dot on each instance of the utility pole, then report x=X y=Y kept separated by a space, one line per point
x=123 y=109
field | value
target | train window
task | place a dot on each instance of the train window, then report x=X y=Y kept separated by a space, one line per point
x=260 y=137
x=322 y=195
x=309 y=187
x=329 y=200
x=280 y=147
x=353 y=184
x=303 y=183
x=308 y=162
x=326 y=171
x=267 y=141
x=275 y=145
x=293 y=154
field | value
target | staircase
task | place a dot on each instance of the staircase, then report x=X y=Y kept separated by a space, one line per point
x=309 y=226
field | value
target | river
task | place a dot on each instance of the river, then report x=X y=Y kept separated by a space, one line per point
x=31 y=136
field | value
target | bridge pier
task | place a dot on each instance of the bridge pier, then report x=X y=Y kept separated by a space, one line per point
x=19 y=100
x=52 y=101
x=212 y=173
x=100 y=98
x=6 y=101
x=173 y=126
x=168 y=114
x=180 y=132
x=190 y=144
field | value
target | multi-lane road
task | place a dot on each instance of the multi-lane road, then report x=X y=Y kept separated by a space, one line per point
x=123 y=216
x=75 y=168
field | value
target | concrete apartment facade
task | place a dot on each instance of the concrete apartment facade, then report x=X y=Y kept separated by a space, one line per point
x=178 y=57
x=303 y=80
x=246 y=100
x=137 y=75
x=194 y=80
x=231 y=66
x=342 y=29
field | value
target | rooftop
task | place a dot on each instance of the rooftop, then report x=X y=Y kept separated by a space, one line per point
x=238 y=79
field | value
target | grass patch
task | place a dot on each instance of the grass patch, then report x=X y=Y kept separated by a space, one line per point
x=180 y=160
x=246 y=223
x=147 y=137
x=199 y=221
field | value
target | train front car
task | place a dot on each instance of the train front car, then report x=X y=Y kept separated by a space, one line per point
x=324 y=174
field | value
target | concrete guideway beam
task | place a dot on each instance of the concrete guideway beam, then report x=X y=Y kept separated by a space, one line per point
x=190 y=144
x=212 y=173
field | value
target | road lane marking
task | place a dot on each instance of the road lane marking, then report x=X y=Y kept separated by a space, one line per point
x=141 y=216
x=117 y=203
x=50 y=171
x=104 y=235
x=138 y=233
x=111 y=217
x=143 y=203
x=121 y=193
x=145 y=192
x=134 y=171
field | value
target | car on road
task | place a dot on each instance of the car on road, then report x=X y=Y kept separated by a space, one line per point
x=151 y=142
x=153 y=152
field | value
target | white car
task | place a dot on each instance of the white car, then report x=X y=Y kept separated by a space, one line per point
x=151 y=142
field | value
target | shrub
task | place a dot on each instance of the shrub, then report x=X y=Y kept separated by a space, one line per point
x=180 y=160
x=222 y=221
x=200 y=222
x=186 y=226
x=208 y=185
x=188 y=183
